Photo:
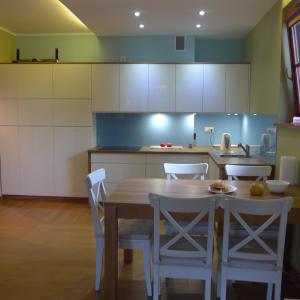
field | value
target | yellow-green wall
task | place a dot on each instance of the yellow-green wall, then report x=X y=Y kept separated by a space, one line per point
x=263 y=50
x=7 y=46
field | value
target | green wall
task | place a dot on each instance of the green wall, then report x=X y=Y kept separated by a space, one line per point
x=263 y=50
x=72 y=48
x=7 y=46
x=87 y=48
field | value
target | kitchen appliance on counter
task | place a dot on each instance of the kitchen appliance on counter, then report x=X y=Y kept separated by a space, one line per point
x=226 y=142
x=265 y=142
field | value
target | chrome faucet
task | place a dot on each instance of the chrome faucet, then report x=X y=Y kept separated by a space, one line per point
x=246 y=149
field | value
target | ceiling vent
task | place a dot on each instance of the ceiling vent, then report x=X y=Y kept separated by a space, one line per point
x=179 y=43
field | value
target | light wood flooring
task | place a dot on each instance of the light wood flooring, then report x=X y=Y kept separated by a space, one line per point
x=47 y=251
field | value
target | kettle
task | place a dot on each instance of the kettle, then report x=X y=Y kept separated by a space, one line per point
x=265 y=142
x=226 y=142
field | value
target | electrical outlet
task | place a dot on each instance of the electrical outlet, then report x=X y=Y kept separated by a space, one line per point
x=271 y=130
x=209 y=129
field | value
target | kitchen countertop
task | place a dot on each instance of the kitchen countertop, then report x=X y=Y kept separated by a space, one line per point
x=212 y=152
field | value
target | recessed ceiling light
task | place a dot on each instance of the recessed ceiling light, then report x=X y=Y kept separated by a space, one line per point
x=201 y=12
x=141 y=25
x=198 y=25
x=137 y=13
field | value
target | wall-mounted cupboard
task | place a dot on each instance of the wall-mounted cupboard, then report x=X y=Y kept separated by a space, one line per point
x=170 y=88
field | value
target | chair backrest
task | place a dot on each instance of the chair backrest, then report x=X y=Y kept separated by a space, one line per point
x=198 y=170
x=261 y=172
x=201 y=207
x=272 y=210
x=97 y=196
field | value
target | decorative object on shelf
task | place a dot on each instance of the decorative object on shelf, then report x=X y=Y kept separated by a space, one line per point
x=288 y=170
x=18 y=59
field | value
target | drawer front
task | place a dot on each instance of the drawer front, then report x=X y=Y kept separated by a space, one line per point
x=155 y=171
x=116 y=173
x=118 y=158
x=176 y=158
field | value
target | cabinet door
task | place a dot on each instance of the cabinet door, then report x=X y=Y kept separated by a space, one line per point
x=36 y=160
x=9 y=160
x=161 y=88
x=8 y=111
x=71 y=160
x=237 y=88
x=105 y=88
x=9 y=81
x=214 y=88
x=72 y=81
x=189 y=88
x=35 y=81
x=36 y=112
x=134 y=88
x=72 y=112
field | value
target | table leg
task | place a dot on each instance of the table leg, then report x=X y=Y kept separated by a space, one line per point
x=128 y=256
x=111 y=253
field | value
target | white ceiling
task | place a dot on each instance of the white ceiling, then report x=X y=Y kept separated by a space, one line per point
x=224 y=18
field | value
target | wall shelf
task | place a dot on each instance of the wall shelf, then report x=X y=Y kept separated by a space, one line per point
x=287 y=125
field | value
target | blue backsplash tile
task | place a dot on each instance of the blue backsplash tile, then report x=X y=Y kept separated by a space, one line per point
x=152 y=129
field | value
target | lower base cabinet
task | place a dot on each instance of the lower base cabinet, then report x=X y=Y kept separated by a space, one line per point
x=120 y=166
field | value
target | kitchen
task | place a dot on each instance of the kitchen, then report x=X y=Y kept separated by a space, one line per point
x=36 y=100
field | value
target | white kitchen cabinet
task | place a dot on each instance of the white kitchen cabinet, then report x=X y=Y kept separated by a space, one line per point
x=214 y=88
x=9 y=157
x=9 y=81
x=70 y=160
x=134 y=88
x=161 y=88
x=72 y=112
x=237 y=88
x=155 y=162
x=105 y=88
x=213 y=170
x=9 y=111
x=36 y=161
x=72 y=81
x=36 y=112
x=35 y=81
x=189 y=88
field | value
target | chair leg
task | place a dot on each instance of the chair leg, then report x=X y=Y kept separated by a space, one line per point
x=219 y=284
x=156 y=283
x=269 y=291
x=223 y=284
x=277 y=294
x=207 y=291
x=147 y=267
x=99 y=256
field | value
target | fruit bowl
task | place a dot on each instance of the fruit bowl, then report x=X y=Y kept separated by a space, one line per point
x=277 y=186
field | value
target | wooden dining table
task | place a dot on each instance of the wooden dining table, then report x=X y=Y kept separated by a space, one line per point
x=130 y=201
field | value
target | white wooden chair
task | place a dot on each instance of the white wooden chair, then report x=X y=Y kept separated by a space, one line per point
x=253 y=257
x=133 y=234
x=196 y=171
x=260 y=172
x=183 y=255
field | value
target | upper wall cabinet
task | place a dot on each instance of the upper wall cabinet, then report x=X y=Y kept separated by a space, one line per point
x=8 y=81
x=161 y=88
x=105 y=88
x=134 y=88
x=35 y=81
x=214 y=88
x=189 y=88
x=237 y=88
x=72 y=81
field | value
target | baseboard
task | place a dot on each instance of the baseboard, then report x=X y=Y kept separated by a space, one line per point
x=45 y=198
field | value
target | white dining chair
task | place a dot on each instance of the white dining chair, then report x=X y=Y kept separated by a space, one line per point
x=133 y=234
x=260 y=172
x=198 y=171
x=194 y=171
x=183 y=255
x=253 y=257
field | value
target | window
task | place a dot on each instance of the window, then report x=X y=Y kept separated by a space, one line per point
x=292 y=17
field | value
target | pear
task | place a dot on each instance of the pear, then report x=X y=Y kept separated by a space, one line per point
x=257 y=189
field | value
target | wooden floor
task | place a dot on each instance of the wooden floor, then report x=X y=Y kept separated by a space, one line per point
x=47 y=251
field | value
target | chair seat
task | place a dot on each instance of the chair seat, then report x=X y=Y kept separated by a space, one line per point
x=136 y=229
